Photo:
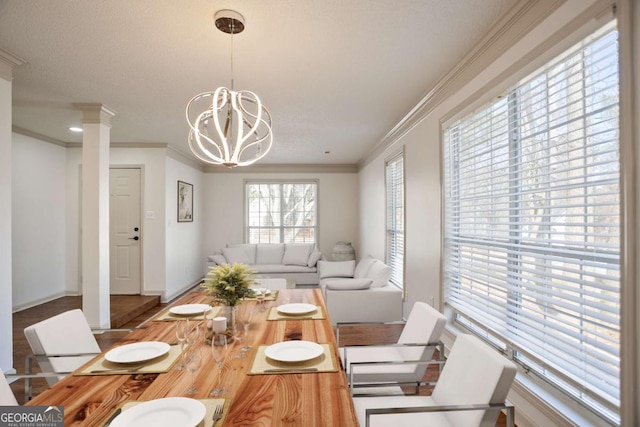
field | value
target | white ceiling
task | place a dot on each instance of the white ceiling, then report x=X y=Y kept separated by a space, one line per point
x=336 y=75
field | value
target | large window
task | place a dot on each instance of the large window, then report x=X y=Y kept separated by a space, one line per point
x=532 y=222
x=282 y=212
x=395 y=218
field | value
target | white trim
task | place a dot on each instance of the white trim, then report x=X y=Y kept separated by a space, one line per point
x=285 y=168
x=37 y=302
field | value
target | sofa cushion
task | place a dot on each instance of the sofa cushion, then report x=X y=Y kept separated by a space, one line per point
x=218 y=259
x=336 y=268
x=269 y=253
x=363 y=267
x=248 y=248
x=348 y=284
x=379 y=273
x=297 y=253
x=314 y=258
x=236 y=255
x=280 y=268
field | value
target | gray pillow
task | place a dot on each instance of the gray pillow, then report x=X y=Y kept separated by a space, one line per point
x=235 y=255
x=336 y=268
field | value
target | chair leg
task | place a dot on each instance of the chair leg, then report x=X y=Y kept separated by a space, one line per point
x=28 y=393
x=511 y=415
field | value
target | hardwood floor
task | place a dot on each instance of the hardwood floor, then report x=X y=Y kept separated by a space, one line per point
x=382 y=334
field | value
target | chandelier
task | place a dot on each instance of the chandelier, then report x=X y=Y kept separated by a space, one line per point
x=233 y=127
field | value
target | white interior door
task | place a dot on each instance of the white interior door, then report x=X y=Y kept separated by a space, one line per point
x=125 y=233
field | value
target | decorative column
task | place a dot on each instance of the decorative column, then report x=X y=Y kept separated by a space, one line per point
x=7 y=63
x=96 y=125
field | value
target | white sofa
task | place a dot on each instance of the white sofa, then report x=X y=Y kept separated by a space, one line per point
x=359 y=293
x=295 y=261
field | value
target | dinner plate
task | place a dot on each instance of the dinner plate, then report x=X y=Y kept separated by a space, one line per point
x=262 y=290
x=137 y=352
x=297 y=308
x=167 y=412
x=294 y=351
x=189 y=309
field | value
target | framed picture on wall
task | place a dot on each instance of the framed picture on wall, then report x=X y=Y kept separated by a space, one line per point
x=185 y=202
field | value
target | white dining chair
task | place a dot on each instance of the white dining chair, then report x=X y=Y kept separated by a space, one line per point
x=470 y=392
x=7 y=398
x=60 y=344
x=419 y=338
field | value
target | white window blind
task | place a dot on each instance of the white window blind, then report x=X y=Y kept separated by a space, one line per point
x=532 y=222
x=282 y=212
x=395 y=218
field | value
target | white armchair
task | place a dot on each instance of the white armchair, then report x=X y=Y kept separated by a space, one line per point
x=7 y=398
x=419 y=338
x=470 y=392
x=359 y=293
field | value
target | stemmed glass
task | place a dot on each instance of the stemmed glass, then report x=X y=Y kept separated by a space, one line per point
x=193 y=361
x=219 y=350
x=246 y=315
x=193 y=333
x=182 y=333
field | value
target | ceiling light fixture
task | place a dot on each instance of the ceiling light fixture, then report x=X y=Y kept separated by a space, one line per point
x=235 y=128
x=75 y=129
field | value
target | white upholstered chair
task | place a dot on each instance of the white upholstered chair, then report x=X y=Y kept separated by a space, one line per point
x=470 y=392
x=417 y=342
x=7 y=398
x=61 y=344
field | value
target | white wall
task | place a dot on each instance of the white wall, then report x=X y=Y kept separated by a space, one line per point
x=184 y=239
x=423 y=181
x=224 y=207
x=38 y=221
x=152 y=161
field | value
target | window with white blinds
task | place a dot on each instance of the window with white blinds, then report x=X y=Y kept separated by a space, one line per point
x=395 y=218
x=282 y=212
x=532 y=222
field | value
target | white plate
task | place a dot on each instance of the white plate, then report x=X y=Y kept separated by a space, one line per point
x=137 y=352
x=189 y=309
x=262 y=290
x=294 y=351
x=167 y=412
x=297 y=308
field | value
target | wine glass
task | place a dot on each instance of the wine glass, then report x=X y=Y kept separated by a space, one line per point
x=182 y=331
x=193 y=333
x=193 y=361
x=243 y=332
x=219 y=350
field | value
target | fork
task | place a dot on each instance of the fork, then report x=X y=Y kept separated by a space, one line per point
x=217 y=413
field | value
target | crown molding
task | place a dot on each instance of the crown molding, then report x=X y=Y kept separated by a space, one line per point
x=183 y=158
x=9 y=61
x=39 y=136
x=125 y=145
x=507 y=31
x=285 y=168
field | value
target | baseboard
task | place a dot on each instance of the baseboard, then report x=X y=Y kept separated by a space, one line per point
x=39 y=301
x=168 y=298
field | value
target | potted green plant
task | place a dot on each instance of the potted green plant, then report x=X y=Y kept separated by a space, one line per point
x=229 y=285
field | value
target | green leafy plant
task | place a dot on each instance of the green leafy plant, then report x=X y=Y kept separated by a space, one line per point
x=230 y=284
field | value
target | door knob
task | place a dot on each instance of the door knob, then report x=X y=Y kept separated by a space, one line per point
x=134 y=238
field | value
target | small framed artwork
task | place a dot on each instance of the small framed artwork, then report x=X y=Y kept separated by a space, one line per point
x=185 y=202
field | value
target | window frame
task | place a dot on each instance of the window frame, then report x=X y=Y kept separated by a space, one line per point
x=281 y=227
x=392 y=159
x=482 y=330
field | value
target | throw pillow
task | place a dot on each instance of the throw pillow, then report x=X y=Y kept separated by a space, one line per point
x=235 y=255
x=297 y=253
x=336 y=268
x=348 y=284
x=218 y=259
x=363 y=267
x=379 y=273
x=314 y=258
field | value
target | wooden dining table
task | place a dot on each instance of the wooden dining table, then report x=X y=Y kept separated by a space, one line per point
x=283 y=399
